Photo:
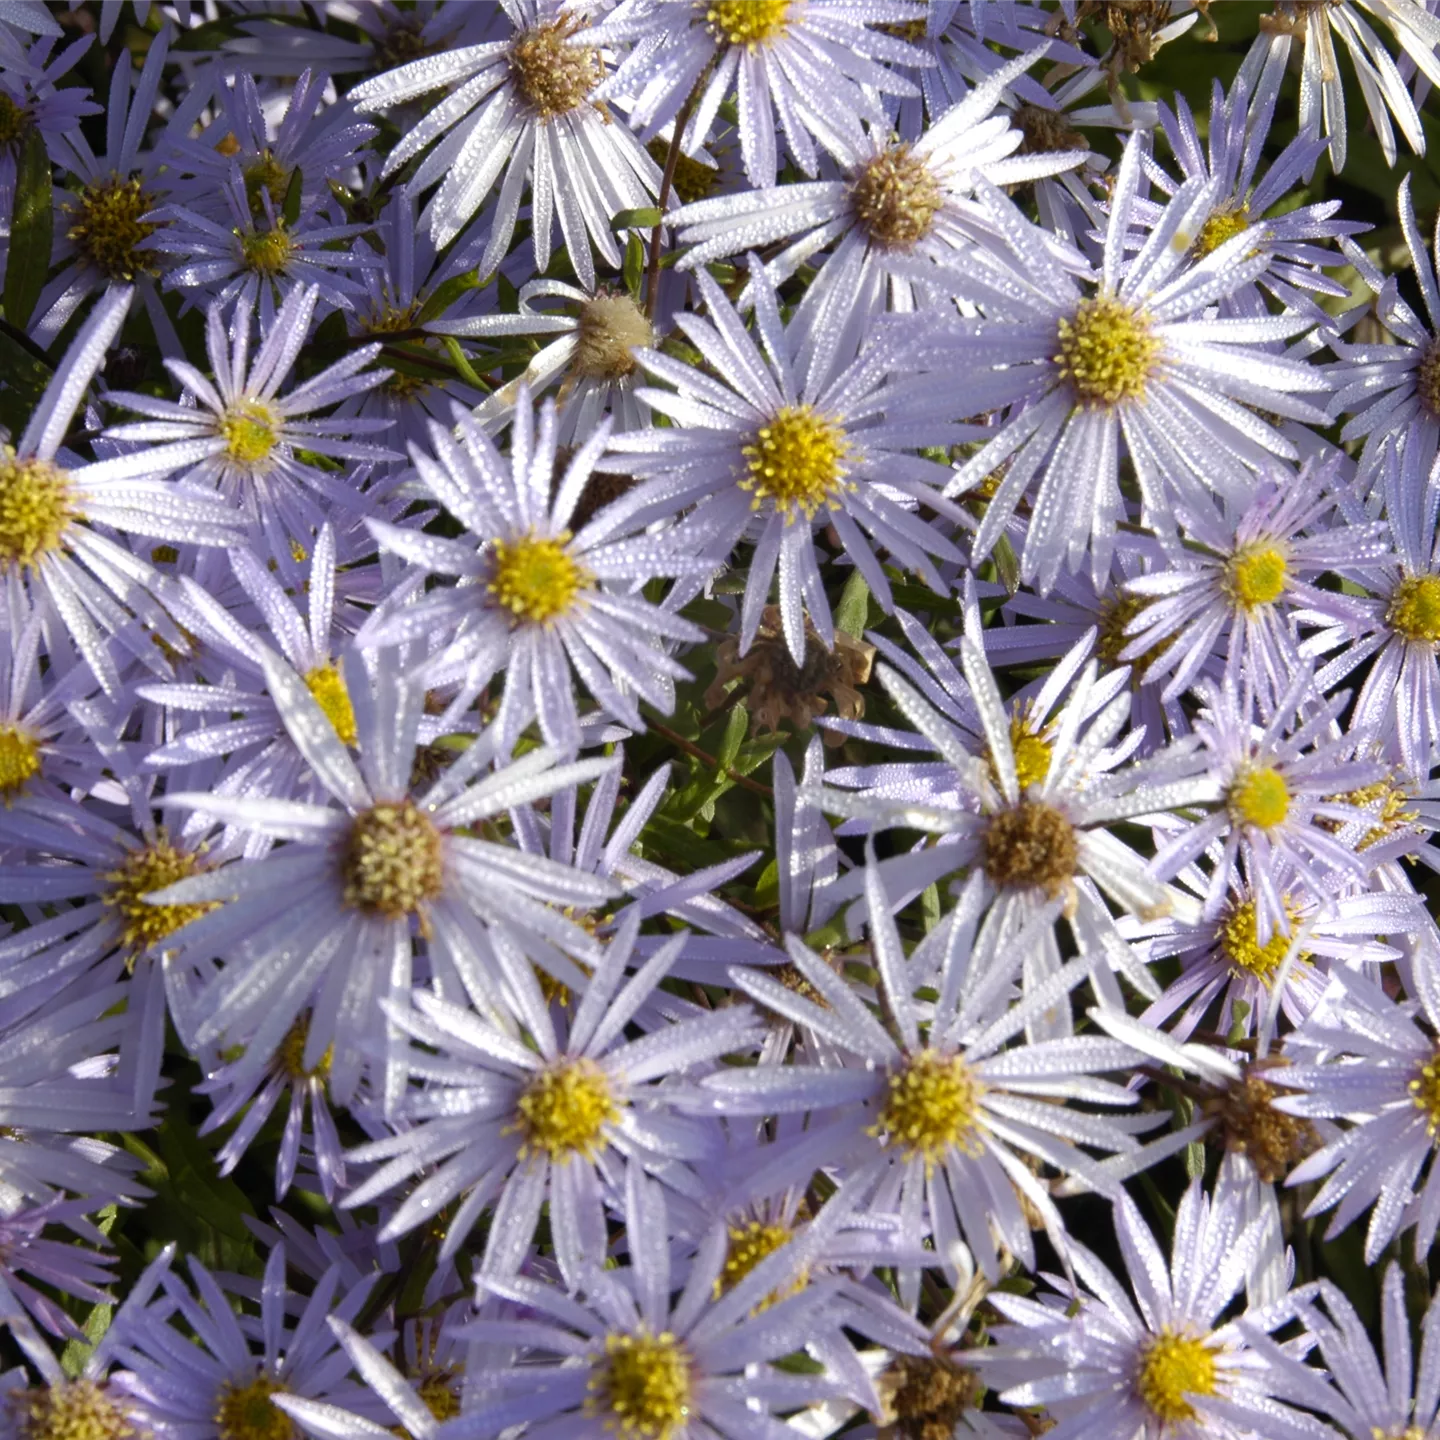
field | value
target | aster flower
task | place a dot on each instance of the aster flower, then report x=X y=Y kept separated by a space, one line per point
x=1161 y=1365
x=1133 y=360
x=47 y=543
x=1371 y=1061
x=816 y=66
x=937 y=1121
x=534 y=599
x=509 y=1127
x=239 y=435
x=525 y=105
x=360 y=879
x=785 y=444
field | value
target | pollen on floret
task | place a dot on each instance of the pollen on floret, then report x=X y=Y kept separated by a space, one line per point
x=1029 y=844
x=439 y=1392
x=37 y=506
x=1239 y=939
x=290 y=1057
x=391 y=862
x=1172 y=1368
x=749 y=1244
x=71 y=1410
x=245 y=1412
x=1224 y=224
x=797 y=459
x=106 y=228
x=327 y=685
x=249 y=429
x=1387 y=803
x=747 y=22
x=1259 y=797
x=1425 y=1092
x=265 y=173
x=19 y=761
x=536 y=578
x=931 y=1107
x=152 y=867
x=1256 y=576
x=1414 y=610
x=1031 y=749
x=1427 y=380
x=267 y=252
x=1250 y=1125
x=1106 y=351
x=641 y=1386
x=553 y=75
x=564 y=1110
x=894 y=198
x=691 y=179
x=929 y=1396
x=610 y=329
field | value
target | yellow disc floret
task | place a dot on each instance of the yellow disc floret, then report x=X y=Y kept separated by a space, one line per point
x=265 y=173
x=1414 y=610
x=1172 y=1368
x=1425 y=1092
x=1027 y=845
x=1239 y=940
x=1259 y=797
x=71 y=1410
x=1106 y=352
x=536 y=578
x=249 y=429
x=748 y=1245
x=290 y=1057
x=564 y=1110
x=244 y=1412
x=797 y=459
x=37 y=506
x=894 y=198
x=1427 y=380
x=746 y=22
x=1256 y=576
x=19 y=761
x=931 y=1107
x=327 y=685
x=149 y=868
x=106 y=228
x=1224 y=224
x=641 y=1386
x=553 y=75
x=1032 y=752
x=391 y=862
x=266 y=252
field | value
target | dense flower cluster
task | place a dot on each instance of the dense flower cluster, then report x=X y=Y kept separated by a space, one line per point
x=719 y=720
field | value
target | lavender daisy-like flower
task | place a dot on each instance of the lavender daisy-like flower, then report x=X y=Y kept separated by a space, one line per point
x=240 y=435
x=1088 y=367
x=783 y=445
x=543 y=604
x=510 y=1125
x=524 y=105
x=1161 y=1366
x=48 y=545
x=328 y=922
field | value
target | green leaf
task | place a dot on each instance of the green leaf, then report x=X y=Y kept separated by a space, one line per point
x=77 y=1352
x=444 y=296
x=291 y=208
x=1007 y=564
x=462 y=365
x=25 y=375
x=852 y=613
x=32 y=230
x=633 y=270
x=645 y=218
x=736 y=723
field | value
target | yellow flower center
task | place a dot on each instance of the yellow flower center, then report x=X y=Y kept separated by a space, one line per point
x=564 y=1110
x=552 y=75
x=1224 y=224
x=244 y=1412
x=1032 y=753
x=36 y=508
x=692 y=180
x=1425 y=1092
x=1106 y=352
x=1239 y=938
x=1260 y=797
x=641 y=1386
x=1256 y=576
x=749 y=1245
x=930 y=1395
x=797 y=460
x=268 y=174
x=1414 y=610
x=536 y=579
x=1387 y=802
x=611 y=329
x=747 y=22
x=106 y=227
x=72 y=1410
x=1045 y=130
x=152 y=867
x=249 y=431
x=894 y=198
x=267 y=252
x=1029 y=845
x=1427 y=380
x=1250 y=1125
x=931 y=1107
x=19 y=761
x=327 y=685
x=291 y=1054
x=1173 y=1367
x=391 y=862
x=13 y=122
